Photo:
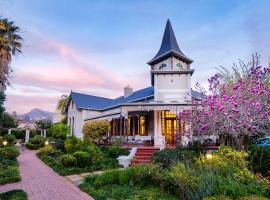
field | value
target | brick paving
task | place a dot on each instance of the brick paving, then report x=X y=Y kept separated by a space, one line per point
x=41 y=183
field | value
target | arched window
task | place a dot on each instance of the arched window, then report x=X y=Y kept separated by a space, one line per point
x=162 y=66
x=179 y=66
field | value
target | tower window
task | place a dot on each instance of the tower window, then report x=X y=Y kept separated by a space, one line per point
x=179 y=66
x=162 y=66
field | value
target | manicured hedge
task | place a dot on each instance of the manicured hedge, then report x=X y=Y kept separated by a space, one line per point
x=14 y=195
x=9 y=169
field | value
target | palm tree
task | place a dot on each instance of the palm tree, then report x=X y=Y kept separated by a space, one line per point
x=10 y=45
x=62 y=102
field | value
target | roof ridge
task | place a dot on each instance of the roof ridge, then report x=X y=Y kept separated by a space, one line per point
x=91 y=95
x=133 y=92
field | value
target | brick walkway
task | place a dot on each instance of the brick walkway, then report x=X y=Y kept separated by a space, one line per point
x=42 y=183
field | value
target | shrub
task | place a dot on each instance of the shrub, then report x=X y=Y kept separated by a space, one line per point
x=110 y=177
x=19 y=134
x=10 y=153
x=9 y=174
x=32 y=146
x=59 y=131
x=260 y=159
x=9 y=138
x=68 y=160
x=168 y=157
x=58 y=144
x=38 y=139
x=71 y=144
x=35 y=142
x=94 y=130
x=14 y=195
x=82 y=158
x=46 y=150
x=115 y=151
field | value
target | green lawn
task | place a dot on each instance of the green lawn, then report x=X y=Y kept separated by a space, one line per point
x=13 y=195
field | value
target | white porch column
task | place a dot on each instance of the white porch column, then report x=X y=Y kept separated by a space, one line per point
x=159 y=140
x=27 y=135
x=44 y=133
x=9 y=131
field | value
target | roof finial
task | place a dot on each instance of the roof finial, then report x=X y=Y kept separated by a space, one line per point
x=168 y=45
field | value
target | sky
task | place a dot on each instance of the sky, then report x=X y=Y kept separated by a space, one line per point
x=99 y=47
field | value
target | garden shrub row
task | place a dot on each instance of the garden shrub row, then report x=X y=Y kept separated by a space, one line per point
x=226 y=175
x=80 y=156
x=9 y=169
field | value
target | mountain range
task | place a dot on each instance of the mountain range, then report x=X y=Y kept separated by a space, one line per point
x=35 y=115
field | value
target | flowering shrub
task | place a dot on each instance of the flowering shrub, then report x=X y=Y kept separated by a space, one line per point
x=94 y=130
x=236 y=110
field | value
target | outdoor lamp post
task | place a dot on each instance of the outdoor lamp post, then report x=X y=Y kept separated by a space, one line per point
x=209 y=155
x=46 y=142
x=5 y=143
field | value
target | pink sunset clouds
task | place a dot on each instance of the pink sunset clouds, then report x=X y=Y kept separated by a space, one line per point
x=58 y=70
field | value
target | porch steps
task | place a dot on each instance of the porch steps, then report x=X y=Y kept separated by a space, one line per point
x=143 y=155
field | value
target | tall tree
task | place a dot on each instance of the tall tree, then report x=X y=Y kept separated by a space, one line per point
x=235 y=110
x=10 y=45
x=61 y=105
x=2 y=100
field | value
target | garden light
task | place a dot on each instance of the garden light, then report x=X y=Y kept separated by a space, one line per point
x=46 y=142
x=209 y=155
x=4 y=143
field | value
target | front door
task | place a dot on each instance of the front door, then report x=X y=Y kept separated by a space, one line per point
x=170 y=131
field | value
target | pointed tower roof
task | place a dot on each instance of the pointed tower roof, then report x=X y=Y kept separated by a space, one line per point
x=169 y=46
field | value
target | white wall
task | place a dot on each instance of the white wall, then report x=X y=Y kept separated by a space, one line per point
x=172 y=87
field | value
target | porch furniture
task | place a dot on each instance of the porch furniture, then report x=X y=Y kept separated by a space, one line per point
x=140 y=139
x=126 y=160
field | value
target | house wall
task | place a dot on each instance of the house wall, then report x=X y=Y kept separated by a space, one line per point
x=175 y=86
x=78 y=115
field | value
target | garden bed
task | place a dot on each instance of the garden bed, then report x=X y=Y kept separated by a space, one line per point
x=135 y=183
x=13 y=195
x=9 y=168
x=182 y=174
x=80 y=157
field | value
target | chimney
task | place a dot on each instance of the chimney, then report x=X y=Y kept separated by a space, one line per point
x=127 y=91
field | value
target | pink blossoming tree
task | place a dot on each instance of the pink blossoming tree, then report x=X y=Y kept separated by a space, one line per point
x=235 y=110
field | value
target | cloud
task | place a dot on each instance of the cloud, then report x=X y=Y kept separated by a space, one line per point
x=59 y=68
x=26 y=103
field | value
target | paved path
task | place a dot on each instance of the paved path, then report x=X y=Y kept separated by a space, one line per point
x=42 y=183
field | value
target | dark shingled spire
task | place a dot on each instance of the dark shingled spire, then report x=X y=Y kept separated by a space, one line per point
x=169 y=46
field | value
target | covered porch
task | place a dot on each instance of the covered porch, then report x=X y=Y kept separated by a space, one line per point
x=147 y=124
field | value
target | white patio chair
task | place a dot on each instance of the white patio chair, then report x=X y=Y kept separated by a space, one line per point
x=126 y=160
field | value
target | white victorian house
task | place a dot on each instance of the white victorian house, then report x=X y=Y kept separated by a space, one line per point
x=149 y=113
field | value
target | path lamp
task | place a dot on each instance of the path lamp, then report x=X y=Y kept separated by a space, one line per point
x=46 y=142
x=5 y=143
x=209 y=155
